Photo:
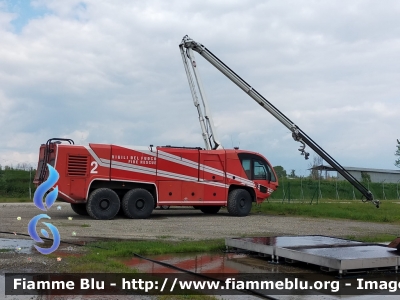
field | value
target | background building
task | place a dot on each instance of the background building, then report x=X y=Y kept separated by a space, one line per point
x=374 y=175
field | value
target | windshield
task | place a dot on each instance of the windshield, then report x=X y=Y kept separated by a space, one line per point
x=255 y=167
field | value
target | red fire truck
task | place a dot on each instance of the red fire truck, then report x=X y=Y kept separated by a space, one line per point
x=102 y=179
x=98 y=179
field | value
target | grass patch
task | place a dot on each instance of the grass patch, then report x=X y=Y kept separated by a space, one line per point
x=85 y=225
x=4 y=250
x=102 y=256
x=126 y=248
x=15 y=200
x=354 y=210
x=373 y=238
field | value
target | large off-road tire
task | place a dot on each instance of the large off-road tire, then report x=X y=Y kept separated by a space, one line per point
x=239 y=203
x=103 y=204
x=210 y=209
x=138 y=204
x=79 y=208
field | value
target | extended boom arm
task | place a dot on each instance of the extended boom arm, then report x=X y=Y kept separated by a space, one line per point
x=206 y=121
x=298 y=134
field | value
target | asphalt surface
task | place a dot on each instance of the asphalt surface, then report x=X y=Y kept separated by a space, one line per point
x=180 y=223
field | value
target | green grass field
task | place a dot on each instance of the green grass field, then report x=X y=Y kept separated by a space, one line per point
x=15 y=200
x=388 y=212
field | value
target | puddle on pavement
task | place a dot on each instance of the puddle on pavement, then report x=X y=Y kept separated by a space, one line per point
x=27 y=247
x=232 y=263
x=17 y=245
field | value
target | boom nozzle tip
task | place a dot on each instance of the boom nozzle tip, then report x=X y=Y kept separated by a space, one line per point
x=376 y=203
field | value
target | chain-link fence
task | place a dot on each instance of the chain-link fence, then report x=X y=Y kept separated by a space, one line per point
x=16 y=181
x=307 y=189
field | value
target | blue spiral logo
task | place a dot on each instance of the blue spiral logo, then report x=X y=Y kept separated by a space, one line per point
x=44 y=187
x=49 y=201
x=32 y=232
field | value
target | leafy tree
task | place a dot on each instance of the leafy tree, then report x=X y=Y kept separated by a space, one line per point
x=397 y=162
x=317 y=161
x=292 y=174
x=365 y=177
x=280 y=171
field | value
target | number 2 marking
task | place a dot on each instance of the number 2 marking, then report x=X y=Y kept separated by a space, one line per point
x=95 y=165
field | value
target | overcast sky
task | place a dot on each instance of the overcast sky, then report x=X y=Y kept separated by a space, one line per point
x=111 y=72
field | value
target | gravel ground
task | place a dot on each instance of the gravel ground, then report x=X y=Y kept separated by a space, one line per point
x=182 y=223
x=173 y=224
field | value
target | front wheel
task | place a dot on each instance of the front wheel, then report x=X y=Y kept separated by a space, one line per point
x=239 y=203
x=103 y=204
x=138 y=204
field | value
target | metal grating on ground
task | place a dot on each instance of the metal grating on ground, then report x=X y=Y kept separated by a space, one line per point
x=327 y=252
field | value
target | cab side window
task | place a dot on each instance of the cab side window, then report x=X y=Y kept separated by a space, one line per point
x=255 y=167
x=246 y=164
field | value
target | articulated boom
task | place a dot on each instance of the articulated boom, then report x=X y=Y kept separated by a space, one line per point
x=297 y=133
x=206 y=122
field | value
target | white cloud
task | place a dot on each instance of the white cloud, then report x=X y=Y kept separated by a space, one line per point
x=79 y=136
x=110 y=71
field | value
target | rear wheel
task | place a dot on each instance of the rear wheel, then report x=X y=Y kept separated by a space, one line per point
x=103 y=204
x=79 y=208
x=239 y=203
x=138 y=204
x=210 y=209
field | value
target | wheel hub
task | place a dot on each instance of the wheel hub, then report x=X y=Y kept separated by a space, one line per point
x=104 y=204
x=140 y=204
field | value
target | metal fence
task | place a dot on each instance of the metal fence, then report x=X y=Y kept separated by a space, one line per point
x=16 y=181
x=307 y=189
